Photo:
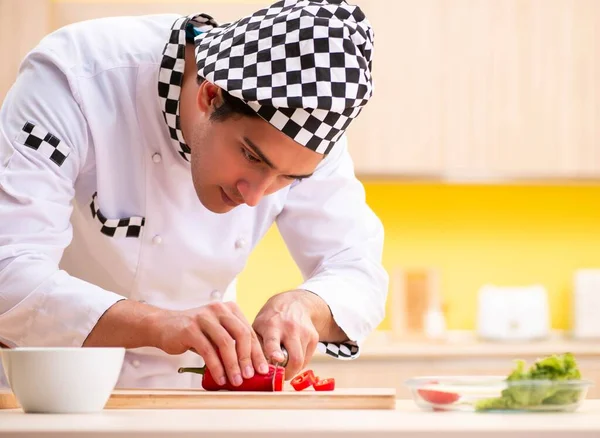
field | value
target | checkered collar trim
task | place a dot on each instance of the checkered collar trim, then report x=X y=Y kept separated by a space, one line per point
x=302 y=65
x=170 y=76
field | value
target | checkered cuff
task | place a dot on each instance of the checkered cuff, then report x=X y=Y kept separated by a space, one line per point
x=344 y=351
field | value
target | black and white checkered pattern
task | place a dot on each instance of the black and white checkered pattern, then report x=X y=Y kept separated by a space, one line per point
x=126 y=227
x=170 y=76
x=345 y=351
x=44 y=142
x=302 y=65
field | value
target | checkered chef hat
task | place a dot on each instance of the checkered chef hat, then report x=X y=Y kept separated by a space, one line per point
x=303 y=65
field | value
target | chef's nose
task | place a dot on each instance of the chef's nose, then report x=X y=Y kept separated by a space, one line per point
x=253 y=192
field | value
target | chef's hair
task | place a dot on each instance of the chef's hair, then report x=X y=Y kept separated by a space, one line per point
x=231 y=106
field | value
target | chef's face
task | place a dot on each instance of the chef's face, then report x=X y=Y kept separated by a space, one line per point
x=241 y=159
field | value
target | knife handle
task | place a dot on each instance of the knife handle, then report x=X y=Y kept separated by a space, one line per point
x=285 y=358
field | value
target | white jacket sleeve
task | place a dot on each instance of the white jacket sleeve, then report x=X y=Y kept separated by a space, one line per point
x=43 y=145
x=337 y=242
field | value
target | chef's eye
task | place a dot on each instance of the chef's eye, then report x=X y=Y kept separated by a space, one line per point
x=249 y=156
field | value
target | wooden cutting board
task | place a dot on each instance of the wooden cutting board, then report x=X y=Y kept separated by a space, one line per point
x=342 y=398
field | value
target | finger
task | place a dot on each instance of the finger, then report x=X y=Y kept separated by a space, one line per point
x=272 y=345
x=296 y=352
x=258 y=358
x=311 y=346
x=204 y=347
x=242 y=334
x=226 y=348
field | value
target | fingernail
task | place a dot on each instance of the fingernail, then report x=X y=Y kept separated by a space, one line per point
x=237 y=380
x=222 y=380
x=248 y=371
x=263 y=368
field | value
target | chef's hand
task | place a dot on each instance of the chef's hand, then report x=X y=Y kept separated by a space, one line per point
x=289 y=319
x=215 y=329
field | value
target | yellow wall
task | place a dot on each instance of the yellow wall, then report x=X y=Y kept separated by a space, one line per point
x=506 y=234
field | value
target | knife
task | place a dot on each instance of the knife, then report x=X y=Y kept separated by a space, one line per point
x=279 y=364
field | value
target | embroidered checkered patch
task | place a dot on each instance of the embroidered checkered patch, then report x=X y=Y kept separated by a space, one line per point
x=170 y=76
x=44 y=142
x=127 y=227
x=344 y=351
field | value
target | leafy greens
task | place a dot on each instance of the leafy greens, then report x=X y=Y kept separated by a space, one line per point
x=539 y=386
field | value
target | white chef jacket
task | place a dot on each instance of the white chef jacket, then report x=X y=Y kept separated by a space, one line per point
x=97 y=205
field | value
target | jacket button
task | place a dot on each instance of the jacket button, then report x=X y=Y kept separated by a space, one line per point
x=215 y=295
x=156 y=158
x=157 y=240
x=136 y=363
x=240 y=243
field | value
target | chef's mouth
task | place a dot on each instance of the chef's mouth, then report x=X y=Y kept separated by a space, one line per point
x=227 y=200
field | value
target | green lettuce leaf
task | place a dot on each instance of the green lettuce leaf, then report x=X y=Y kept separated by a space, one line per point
x=547 y=369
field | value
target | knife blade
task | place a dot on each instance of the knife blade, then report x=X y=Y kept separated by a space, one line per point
x=281 y=364
x=274 y=376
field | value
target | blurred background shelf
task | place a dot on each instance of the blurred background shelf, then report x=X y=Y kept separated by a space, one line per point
x=464 y=343
x=385 y=361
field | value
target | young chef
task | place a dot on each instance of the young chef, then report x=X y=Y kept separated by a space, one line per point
x=143 y=158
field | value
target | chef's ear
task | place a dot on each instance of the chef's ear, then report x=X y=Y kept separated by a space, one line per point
x=209 y=97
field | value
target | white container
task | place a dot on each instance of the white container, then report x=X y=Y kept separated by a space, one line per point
x=513 y=313
x=62 y=379
x=586 y=304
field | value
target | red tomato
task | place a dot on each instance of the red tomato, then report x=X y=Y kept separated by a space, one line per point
x=438 y=397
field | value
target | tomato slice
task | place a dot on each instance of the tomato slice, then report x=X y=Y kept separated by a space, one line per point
x=303 y=380
x=324 y=384
x=438 y=397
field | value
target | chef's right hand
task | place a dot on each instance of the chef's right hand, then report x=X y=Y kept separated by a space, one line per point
x=220 y=333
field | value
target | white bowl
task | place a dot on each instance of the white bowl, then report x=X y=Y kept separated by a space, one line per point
x=62 y=379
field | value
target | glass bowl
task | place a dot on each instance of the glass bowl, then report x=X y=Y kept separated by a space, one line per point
x=496 y=393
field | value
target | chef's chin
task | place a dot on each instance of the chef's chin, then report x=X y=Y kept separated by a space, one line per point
x=213 y=200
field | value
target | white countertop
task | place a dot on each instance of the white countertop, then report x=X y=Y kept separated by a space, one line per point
x=406 y=421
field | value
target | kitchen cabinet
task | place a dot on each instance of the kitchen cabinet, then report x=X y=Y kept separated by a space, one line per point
x=464 y=89
x=399 y=132
x=483 y=89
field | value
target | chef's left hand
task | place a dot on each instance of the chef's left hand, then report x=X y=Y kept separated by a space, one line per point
x=289 y=319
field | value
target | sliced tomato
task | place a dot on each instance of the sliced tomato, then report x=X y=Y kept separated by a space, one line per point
x=303 y=380
x=438 y=397
x=324 y=384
